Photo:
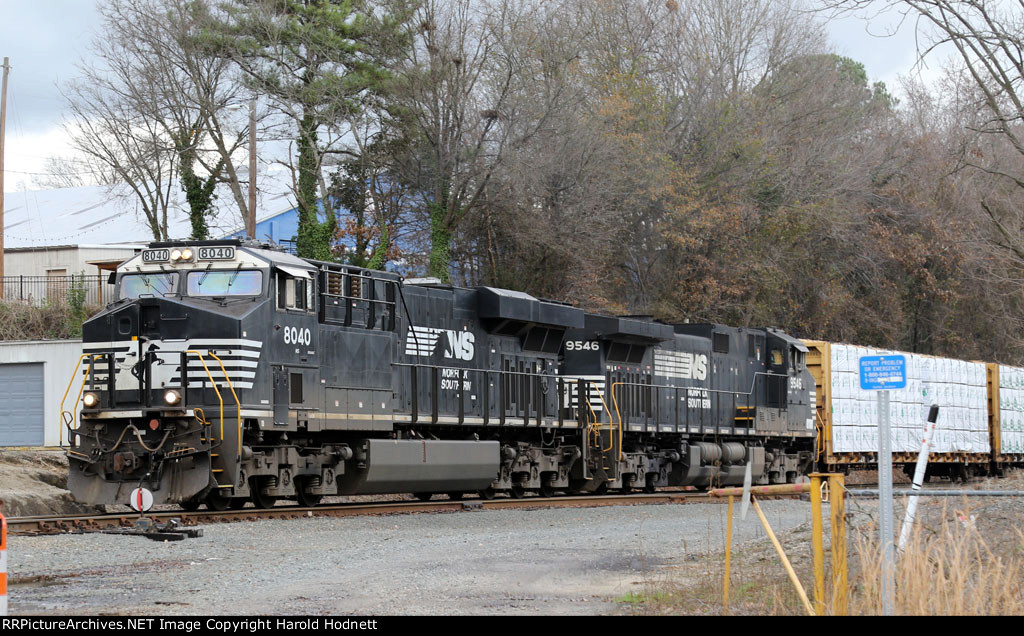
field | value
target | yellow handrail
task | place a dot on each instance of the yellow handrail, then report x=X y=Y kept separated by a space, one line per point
x=213 y=384
x=74 y=374
x=238 y=405
x=611 y=424
x=590 y=428
x=615 y=401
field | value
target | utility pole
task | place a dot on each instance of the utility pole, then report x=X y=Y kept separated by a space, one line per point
x=3 y=124
x=250 y=225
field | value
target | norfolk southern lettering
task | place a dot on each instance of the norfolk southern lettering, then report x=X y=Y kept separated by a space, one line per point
x=227 y=372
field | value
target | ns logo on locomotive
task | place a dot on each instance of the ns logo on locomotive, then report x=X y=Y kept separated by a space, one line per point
x=227 y=372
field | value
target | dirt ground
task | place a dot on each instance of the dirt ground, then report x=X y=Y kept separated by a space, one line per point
x=34 y=483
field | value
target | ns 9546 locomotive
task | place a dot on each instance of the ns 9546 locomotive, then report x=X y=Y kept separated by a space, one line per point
x=228 y=372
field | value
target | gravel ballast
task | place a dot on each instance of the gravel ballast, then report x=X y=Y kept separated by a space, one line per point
x=556 y=561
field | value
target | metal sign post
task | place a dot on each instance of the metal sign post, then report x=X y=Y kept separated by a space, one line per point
x=885 y=515
x=883 y=373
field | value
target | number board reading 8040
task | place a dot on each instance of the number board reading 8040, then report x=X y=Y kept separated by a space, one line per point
x=216 y=253
x=156 y=256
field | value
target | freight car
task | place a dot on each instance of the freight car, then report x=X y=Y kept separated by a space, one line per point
x=981 y=421
x=227 y=372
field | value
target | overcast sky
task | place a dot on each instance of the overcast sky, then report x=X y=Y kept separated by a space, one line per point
x=45 y=39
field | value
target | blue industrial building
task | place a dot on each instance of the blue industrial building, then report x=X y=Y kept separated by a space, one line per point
x=279 y=227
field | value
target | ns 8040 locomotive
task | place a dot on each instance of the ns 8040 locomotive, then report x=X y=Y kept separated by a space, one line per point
x=228 y=372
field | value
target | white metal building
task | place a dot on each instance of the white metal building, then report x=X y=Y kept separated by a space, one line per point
x=66 y=260
x=33 y=377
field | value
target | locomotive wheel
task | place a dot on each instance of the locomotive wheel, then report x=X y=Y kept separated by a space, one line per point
x=423 y=496
x=260 y=500
x=602 y=489
x=191 y=505
x=547 y=491
x=649 y=484
x=305 y=498
x=517 y=492
x=455 y=496
x=487 y=493
x=217 y=502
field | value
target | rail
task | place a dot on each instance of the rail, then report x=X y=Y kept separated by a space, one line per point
x=53 y=524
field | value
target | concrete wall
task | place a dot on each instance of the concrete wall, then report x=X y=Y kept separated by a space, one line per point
x=58 y=358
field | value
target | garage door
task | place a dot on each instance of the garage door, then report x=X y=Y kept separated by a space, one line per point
x=21 y=404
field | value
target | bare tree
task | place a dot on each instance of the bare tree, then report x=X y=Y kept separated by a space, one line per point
x=109 y=132
x=456 y=84
x=150 y=75
x=67 y=172
x=987 y=37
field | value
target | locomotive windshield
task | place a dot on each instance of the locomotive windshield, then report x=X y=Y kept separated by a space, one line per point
x=225 y=283
x=135 y=285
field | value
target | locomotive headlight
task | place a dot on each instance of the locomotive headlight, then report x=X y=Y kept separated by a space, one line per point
x=172 y=397
x=175 y=254
x=186 y=254
x=90 y=400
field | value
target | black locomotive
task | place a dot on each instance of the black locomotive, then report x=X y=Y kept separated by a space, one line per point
x=228 y=372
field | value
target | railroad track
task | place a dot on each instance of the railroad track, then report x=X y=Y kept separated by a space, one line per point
x=56 y=524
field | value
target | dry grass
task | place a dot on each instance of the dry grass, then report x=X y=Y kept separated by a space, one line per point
x=52 y=320
x=965 y=559
x=949 y=571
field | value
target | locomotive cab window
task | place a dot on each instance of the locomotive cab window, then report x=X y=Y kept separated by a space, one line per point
x=233 y=282
x=294 y=293
x=148 y=284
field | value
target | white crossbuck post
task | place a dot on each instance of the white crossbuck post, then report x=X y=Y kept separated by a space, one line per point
x=919 y=471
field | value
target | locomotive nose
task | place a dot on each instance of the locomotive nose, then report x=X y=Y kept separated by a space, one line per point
x=156 y=318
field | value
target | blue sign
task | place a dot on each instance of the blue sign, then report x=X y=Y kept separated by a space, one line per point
x=881 y=373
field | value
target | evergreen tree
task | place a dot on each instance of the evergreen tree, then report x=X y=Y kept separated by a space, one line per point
x=319 y=61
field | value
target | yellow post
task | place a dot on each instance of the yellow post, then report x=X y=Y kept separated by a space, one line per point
x=837 y=498
x=785 y=561
x=818 y=551
x=728 y=555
